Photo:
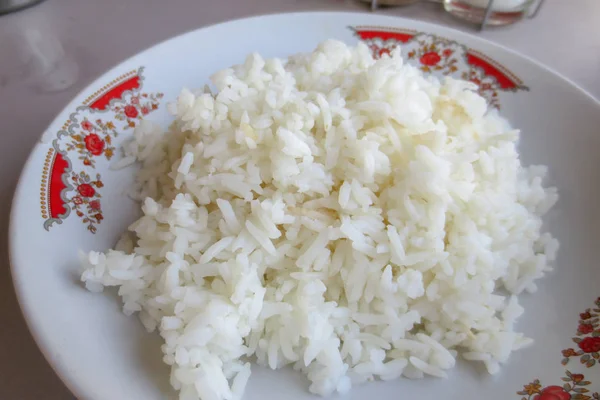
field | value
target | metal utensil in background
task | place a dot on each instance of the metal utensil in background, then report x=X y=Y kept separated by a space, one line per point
x=7 y=6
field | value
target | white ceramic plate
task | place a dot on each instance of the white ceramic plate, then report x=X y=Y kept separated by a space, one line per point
x=68 y=199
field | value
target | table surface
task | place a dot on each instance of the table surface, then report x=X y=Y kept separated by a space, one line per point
x=88 y=37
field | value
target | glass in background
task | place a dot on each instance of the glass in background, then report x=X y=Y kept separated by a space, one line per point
x=498 y=12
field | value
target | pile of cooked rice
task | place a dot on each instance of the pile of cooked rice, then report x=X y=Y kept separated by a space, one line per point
x=344 y=215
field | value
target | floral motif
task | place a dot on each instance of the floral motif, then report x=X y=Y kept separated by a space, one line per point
x=585 y=315
x=93 y=140
x=573 y=389
x=87 y=125
x=441 y=56
x=587 y=338
x=86 y=139
x=138 y=106
x=86 y=203
x=382 y=52
x=86 y=190
x=531 y=388
x=553 y=393
x=590 y=345
x=487 y=86
x=130 y=111
x=569 y=353
x=94 y=144
x=434 y=56
x=588 y=342
x=584 y=329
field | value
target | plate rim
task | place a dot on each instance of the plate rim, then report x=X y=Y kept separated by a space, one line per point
x=27 y=307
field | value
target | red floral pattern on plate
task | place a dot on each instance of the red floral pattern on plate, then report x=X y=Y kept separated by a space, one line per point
x=584 y=329
x=92 y=141
x=139 y=106
x=430 y=59
x=587 y=339
x=438 y=55
x=435 y=57
x=86 y=199
x=87 y=138
x=574 y=388
x=94 y=144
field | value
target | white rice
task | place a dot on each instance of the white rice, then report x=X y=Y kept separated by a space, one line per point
x=347 y=216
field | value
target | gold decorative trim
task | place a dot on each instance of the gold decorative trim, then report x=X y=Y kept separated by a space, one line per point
x=496 y=64
x=45 y=185
x=385 y=29
x=108 y=86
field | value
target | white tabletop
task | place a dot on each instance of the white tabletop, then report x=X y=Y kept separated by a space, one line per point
x=88 y=37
